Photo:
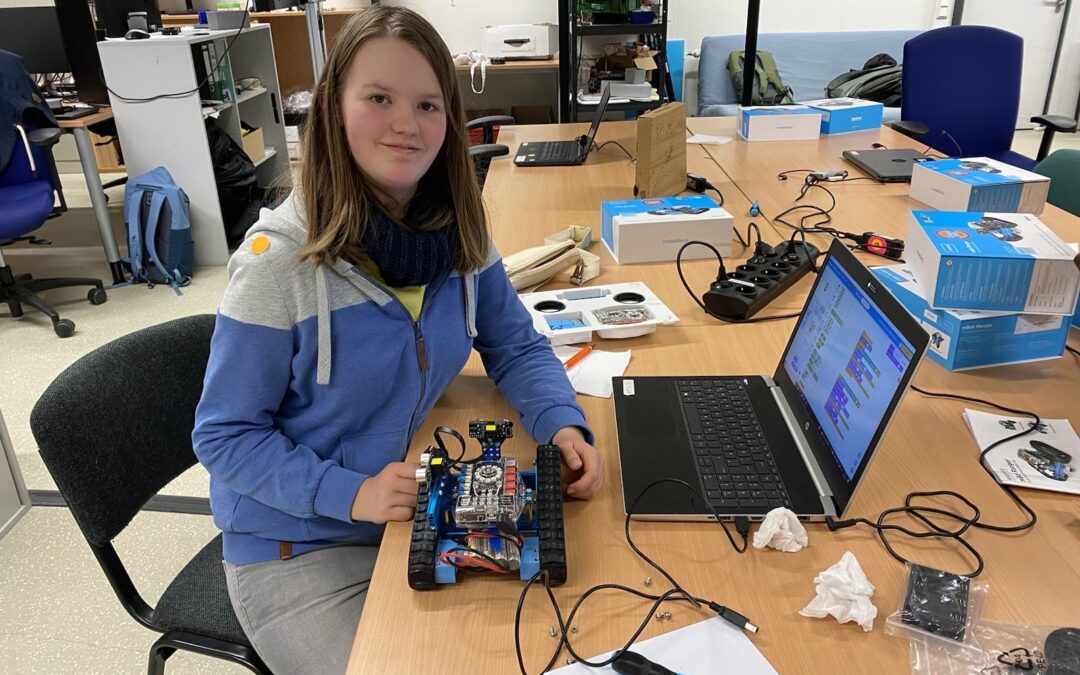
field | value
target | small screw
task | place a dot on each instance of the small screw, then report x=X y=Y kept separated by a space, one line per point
x=569 y=660
x=573 y=629
x=667 y=615
x=553 y=632
x=648 y=581
x=659 y=616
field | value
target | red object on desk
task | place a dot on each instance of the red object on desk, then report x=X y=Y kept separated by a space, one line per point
x=576 y=358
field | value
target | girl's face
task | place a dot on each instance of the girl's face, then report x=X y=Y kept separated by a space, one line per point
x=395 y=115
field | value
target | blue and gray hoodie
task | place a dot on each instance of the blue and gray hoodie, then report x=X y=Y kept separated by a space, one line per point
x=319 y=377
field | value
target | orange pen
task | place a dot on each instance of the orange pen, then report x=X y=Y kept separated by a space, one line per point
x=576 y=358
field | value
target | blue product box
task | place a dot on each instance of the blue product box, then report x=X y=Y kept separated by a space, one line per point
x=999 y=262
x=841 y=115
x=779 y=123
x=654 y=229
x=962 y=339
x=978 y=184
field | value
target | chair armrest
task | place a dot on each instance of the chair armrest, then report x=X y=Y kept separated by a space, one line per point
x=1056 y=122
x=911 y=128
x=491 y=119
x=488 y=150
x=45 y=137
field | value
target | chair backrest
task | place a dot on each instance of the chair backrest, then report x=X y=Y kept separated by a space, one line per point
x=964 y=80
x=115 y=427
x=807 y=62
x=18 y=170
x=1063 y=168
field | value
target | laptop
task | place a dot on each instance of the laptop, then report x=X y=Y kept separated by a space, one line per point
x=886 y=166
x=802 y=438
x=562 y=153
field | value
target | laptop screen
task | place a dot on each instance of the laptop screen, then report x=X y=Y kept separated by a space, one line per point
x=601 y=108
x=848 y=363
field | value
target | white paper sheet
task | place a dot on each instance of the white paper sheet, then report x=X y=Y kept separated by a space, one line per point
x=592 y=375
x=704 y=648
x=706 y=139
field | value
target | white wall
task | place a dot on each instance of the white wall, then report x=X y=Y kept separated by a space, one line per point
x=1067 y=81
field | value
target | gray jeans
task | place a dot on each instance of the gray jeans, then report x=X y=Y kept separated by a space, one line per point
x=301 y=614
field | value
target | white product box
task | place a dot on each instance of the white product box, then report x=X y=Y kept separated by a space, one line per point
x=841 y=115
x=998 y=262
x=526 y=41
x=571 y=316
x=653 y=230
x=978 y=184
x=779 y=123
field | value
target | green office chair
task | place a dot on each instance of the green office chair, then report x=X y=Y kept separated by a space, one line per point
x=1063 y=169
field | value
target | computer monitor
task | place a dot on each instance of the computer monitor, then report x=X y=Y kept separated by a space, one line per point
x=80 y=43
x=112 y=15
x=34 y=34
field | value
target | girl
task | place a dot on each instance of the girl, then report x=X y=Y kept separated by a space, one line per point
x=350 y=309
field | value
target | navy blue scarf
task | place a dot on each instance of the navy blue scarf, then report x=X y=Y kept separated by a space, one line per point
x=409 y=257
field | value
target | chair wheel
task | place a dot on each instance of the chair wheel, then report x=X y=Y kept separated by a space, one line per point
x=97 y=296
x=64 y=328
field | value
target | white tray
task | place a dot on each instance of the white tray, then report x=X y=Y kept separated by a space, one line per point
x=571 y=316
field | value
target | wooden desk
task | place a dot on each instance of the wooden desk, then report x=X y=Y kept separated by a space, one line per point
x=88 y=160
x=1034 y=576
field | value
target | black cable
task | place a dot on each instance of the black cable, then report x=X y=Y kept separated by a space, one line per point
x=965 y=522
x=189 y=92
x=943 y=132
x=479 y=554
x=601 y=147
x=719 y=194
x=1071 y=350
x=721 y=276
x=675 y=593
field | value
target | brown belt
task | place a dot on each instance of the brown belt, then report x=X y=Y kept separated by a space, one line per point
x=285 y=550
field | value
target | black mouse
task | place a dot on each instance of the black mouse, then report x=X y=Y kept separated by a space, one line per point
x=136 y=34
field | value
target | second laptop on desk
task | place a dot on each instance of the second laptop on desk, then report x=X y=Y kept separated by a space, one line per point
x=802 y=438
x=562 y=153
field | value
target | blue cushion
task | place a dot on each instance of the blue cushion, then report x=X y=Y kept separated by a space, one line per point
x=24 y=208
x=807 y=63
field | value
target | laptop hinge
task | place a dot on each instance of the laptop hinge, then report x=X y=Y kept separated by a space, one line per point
x=816 y=474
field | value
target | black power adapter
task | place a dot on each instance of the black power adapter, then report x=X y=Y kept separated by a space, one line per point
x=759 y=281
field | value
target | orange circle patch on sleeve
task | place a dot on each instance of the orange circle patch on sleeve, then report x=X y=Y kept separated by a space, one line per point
x=259 y=245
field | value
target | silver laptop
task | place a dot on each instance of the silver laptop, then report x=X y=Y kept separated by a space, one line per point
x=802 y=438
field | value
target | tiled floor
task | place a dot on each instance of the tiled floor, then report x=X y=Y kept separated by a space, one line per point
x=60 y=615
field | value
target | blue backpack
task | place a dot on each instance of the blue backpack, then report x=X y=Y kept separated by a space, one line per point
x=160 y=247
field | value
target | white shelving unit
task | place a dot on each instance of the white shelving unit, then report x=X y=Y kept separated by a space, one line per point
x=171 y=131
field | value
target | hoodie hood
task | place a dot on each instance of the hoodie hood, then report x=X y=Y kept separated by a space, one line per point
x=285 y=225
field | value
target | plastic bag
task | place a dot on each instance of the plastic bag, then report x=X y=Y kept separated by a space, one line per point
x=936 y=606
x=995 y=648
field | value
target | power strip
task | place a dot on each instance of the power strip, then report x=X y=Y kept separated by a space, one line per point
x=759 y=281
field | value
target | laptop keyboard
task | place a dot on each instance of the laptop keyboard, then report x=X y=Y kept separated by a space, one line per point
x=735 y=464
x=558 y=151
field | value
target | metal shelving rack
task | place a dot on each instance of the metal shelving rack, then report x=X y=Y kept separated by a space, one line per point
x=570 y=32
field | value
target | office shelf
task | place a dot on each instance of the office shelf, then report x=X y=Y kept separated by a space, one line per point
x=269 y=152
x=250 y=94
x=570 y=33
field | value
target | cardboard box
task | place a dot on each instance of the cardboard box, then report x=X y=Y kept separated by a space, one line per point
x=841 y=115
x=962 y=339
x=1003 y=262
x=779 y=123
x=978 y=184
x=653 y=230
x=639 y=57
x=253 y=142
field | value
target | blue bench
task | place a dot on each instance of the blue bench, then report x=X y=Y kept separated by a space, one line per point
x=806 y=61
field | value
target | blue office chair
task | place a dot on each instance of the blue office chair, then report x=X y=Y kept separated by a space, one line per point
x=27 y=187
x=961 y=94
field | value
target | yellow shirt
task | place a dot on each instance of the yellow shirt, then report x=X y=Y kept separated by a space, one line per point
x=410 y=296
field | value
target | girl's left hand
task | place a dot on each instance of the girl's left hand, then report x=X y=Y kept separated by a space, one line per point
x=586 y=466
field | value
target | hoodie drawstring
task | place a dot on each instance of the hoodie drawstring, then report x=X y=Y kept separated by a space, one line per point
x=322 y=308
x=468 y=279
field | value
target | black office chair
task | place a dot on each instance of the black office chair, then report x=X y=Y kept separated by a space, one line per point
x=487 y=150
x=113 y=429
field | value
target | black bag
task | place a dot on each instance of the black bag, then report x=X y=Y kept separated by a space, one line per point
x=238 y=191
x=878 y=80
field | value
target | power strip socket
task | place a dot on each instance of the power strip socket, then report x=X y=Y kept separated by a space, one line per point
x=759 y=281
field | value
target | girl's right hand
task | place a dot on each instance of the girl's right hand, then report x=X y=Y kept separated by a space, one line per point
x=387 y=496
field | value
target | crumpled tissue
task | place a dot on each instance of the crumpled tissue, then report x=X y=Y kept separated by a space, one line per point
x=844 y=592
x=781 y=530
